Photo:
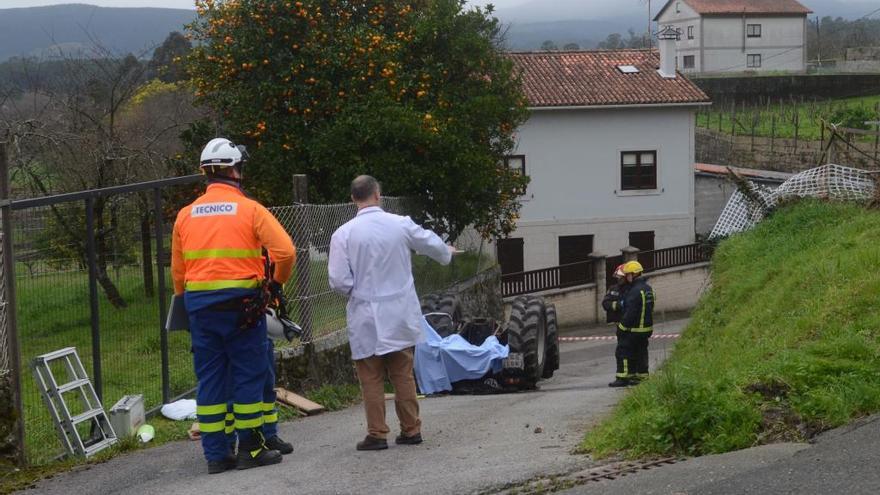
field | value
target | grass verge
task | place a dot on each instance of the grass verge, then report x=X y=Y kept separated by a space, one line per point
x=785 y=344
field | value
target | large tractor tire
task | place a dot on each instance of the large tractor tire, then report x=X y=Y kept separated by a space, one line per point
x=447 y=304
x=551 y=362
x=527 y=334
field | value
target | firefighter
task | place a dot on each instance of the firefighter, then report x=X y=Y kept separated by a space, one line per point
x=612 y=302
x=635 y=328
x=217 y=265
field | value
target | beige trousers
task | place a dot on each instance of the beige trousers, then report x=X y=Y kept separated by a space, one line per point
x=399 y=368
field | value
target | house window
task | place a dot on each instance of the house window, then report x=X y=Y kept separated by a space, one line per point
x=690 y=32
x=677 y=7
x=573 y=251
x=518 y=164
x=689 y=61
x=510 y=257
x=753 y=30
x=638 y=170
x=753 y=61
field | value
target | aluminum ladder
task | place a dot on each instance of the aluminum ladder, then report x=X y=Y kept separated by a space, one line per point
x=89 y=413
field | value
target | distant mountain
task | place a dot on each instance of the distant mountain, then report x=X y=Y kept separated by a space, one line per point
x=71 y=29
x=41 y=31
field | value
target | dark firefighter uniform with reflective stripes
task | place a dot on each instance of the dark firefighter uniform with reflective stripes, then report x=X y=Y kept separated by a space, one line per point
x=634 y=330
x=612 y=303
x=216 y=261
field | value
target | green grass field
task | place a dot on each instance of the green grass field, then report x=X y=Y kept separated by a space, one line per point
x=785 y=344
x=807 y=114
x=53 y=312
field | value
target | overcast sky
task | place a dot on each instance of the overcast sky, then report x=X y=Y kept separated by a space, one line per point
x=179 y=4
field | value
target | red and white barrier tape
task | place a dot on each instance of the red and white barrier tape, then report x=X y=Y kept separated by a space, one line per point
x=612 y=337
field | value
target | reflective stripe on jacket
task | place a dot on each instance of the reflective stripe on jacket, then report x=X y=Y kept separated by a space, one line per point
x=218 y=239
x=638 y=308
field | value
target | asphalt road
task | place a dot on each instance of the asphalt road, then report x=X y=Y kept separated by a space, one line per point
x=472 y=443
x=843 y=461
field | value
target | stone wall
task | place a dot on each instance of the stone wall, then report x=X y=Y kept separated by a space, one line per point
x=783 y=155
x=9 y=448
x=327 y=360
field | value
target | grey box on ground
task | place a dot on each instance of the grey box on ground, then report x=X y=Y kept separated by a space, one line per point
x=127 y=415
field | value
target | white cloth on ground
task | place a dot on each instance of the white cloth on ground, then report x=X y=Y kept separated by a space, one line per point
x=371 y=263
x=180 y=410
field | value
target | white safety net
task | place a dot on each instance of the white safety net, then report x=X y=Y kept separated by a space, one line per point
x=752 y=202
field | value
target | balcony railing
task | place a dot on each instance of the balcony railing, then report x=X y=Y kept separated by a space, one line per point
x=557 y=277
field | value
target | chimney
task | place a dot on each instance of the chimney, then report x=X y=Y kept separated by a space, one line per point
x=667 y=39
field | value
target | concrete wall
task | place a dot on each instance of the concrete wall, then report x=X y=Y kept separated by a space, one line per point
x=573 y=159
x=328 y=359
x=712 y=193
x=677 y=290
x=781 y=44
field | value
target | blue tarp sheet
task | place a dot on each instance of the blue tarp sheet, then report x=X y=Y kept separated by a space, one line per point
x=441 y=361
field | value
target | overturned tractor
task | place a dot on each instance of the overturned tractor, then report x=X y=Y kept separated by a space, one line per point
x=531 y=334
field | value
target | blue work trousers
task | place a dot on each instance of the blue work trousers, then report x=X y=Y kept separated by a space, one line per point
x=228 y=361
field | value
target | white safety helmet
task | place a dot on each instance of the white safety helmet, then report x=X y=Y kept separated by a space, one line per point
x=281 y=328
x=222 y=153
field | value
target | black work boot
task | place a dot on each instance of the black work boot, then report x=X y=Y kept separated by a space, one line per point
x=216 y=467
x=372 y=443
x=276 y=443
x=621 y=382
x=408 y=440
x=255 y=454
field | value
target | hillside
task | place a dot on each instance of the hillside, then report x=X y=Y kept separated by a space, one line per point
x=39 y=31
x=785 y=344
x=35 y=31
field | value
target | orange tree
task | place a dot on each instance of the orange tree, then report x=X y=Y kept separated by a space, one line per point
x=417 y=93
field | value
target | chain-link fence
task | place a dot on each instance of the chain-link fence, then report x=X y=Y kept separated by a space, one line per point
x=100 y=290
x=4 y=331
x=752 y=202
x=314 y=305
x=90 y=273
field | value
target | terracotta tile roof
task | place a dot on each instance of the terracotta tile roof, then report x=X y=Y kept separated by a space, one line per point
x=726 y=7
x=592 y=78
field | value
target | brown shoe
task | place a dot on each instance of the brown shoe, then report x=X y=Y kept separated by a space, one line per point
x=405 y=440
x=372 y=443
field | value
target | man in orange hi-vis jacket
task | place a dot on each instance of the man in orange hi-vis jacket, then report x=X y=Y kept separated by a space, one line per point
x=217 y=265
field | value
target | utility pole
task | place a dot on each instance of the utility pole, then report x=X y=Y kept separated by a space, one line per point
x=648 y=37
x=818 y=42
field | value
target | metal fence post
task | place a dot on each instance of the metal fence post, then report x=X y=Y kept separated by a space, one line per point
x=159 y=225
x=93 y=297
x=8 y=274
x=301 y=237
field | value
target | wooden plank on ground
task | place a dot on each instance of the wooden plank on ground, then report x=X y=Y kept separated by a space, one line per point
x=299 y=402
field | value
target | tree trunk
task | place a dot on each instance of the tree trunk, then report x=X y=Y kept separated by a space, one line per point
x=147 y=254
x=100 y=234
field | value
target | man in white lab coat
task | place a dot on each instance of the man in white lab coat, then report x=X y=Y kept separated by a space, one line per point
x=370 y=263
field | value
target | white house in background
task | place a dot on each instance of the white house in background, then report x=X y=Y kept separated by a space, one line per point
x=609 y=148
x=738 y=35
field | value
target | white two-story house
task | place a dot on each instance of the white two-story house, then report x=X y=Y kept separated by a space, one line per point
x=609 y=148
x=738 y=35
